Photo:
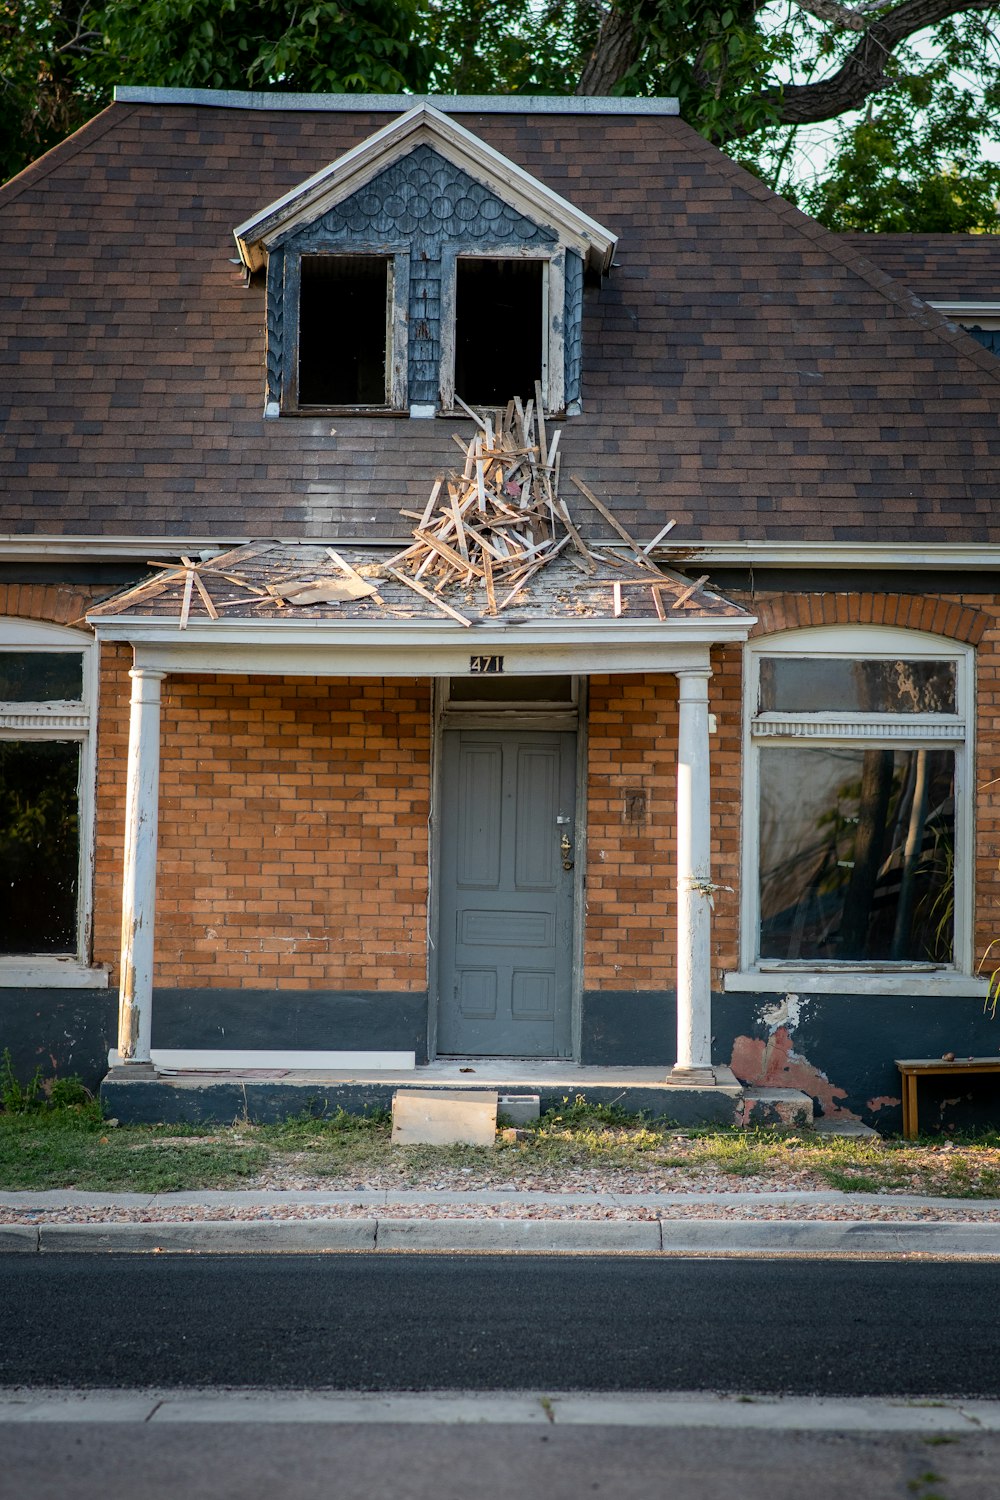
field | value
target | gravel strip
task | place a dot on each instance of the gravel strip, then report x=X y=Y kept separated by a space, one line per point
x=797 y=1210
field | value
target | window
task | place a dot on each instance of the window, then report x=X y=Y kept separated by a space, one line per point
x=46 y=771
x=345 y=330
x=857 y=831
x=499 y=330
x=503 y=328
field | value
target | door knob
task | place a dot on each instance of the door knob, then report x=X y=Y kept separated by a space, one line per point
x=567 y=849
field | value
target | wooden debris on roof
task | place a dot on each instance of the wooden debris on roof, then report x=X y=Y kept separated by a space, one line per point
x=499 y=521
x=488 y=529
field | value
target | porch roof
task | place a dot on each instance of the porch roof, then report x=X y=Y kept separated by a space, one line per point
x=564 y=619
x=252 y=583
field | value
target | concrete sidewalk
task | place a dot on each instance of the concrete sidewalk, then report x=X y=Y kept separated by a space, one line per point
x=728 y=1223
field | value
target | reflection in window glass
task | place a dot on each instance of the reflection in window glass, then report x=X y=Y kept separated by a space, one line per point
x=39 y=846
x=41 y=676
x=793 y=684
x=857 y=853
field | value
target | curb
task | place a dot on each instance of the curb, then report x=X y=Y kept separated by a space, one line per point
x=505 y=1236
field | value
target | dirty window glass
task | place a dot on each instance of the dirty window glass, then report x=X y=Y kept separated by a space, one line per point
x=40 y=676
x=39 y=846
x=835 y=685
x=857 y=853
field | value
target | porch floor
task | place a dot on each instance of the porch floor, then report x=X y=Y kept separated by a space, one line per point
x=137 y=1095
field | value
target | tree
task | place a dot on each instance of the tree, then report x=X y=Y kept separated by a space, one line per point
x=756 y=78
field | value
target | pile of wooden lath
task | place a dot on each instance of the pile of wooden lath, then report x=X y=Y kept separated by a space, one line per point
x=502 y=520
x=495 y=525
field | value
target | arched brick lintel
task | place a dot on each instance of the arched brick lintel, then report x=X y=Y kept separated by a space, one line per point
x=904 y=611
x=51 y=602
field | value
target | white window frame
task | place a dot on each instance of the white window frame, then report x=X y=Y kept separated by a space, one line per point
x=397 y=258
x=553 y=379
x=72 y=720
x=954 y=731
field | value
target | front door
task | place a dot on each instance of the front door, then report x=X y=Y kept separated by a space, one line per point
x=506 y=892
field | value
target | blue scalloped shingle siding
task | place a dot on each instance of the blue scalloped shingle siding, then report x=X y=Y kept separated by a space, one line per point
x=429 y=203
x=573 y=331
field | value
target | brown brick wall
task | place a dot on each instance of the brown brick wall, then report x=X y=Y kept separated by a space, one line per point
x=294 y=821
x=630 y=939
x=59 y=604
x=293 y=832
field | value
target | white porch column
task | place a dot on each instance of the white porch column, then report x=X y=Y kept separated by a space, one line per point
x=694 y=890
x=135 y=1003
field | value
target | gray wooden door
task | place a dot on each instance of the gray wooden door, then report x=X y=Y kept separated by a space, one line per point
x=505 y=899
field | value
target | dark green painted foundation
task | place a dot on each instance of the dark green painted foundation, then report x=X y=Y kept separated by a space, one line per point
x=842 y=1043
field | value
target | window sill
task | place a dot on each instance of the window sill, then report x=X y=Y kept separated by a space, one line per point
x=783 y=981
x=52 y=973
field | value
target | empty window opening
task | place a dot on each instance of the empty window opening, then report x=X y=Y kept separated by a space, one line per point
x=499 y=329
x=39 y=846
x=345 y=314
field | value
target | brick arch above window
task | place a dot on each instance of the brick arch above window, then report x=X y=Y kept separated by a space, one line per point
x=904 y=611
x=51 y=602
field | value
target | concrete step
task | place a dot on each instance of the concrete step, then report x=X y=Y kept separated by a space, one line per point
x=777 y=1107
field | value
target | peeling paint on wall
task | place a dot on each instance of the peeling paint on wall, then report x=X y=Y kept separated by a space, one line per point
x=787 y=1012
x=883 y=1101
x=775 y=1064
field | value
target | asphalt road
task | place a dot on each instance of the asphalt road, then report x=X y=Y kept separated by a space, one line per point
x=434 y=1322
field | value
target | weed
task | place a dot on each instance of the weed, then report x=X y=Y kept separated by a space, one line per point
x=18 y=1098
x=938 y=1439
x=851 y=1182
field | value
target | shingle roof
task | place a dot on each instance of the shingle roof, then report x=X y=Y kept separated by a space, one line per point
x=236 y=580
x=744 y=371
x=940 y=267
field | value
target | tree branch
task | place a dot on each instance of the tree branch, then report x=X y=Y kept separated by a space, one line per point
x=864 y=69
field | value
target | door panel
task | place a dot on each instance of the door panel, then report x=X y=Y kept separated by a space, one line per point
x=506 y=902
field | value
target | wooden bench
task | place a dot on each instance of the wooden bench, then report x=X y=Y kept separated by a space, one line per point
x=913 y=1068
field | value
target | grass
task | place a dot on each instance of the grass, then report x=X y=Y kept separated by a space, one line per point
x=48 y=1143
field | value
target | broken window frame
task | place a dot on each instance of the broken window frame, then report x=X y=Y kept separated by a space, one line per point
x=950 y=731
x=553 y=377
x=288 y=267
x=66 y=721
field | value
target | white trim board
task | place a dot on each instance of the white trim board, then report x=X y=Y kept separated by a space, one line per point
x=472 y=104
x=214 y=1060
x=898 y=556
x=423 y=125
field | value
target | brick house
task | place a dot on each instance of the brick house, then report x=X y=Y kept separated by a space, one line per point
x=733 y=830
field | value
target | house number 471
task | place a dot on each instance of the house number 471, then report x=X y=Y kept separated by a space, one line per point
x=486 y=664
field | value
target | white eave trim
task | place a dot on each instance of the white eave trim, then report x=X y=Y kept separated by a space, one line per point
x=895 y=556
x=962 y=310
x=470 y=104
x=350 y=172
x=421 y=648
x=898 y=556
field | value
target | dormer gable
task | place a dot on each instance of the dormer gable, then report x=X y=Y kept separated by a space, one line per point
x=421 y=266
x=425 y=125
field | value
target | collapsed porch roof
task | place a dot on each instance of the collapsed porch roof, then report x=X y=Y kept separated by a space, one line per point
x=563 y=620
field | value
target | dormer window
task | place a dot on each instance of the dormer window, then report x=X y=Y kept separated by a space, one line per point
x=501 y=337
x=420 y=266
x=345 y=330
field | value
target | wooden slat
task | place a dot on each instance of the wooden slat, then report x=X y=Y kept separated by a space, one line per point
x=658 y=538
x=691 y=589
x=491 y=598
x=540 y=423
x=612 y=521
x=426 y=594
x=186 y=602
